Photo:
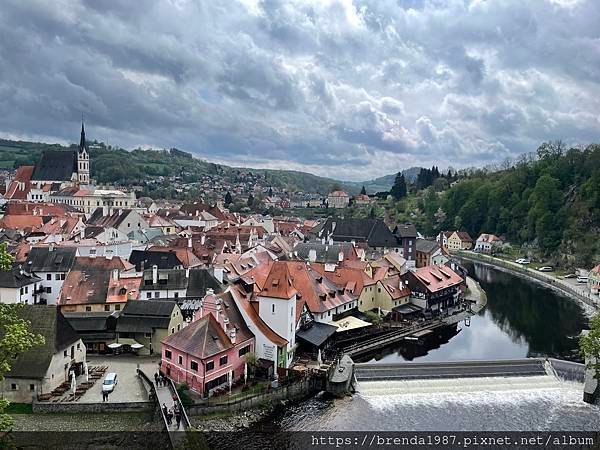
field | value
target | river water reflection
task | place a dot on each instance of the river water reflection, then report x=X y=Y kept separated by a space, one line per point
x=521 y=319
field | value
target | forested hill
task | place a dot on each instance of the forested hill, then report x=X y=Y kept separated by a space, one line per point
x=116 y=165
x=550 y=200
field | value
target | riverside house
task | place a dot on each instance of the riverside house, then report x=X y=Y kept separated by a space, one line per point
x=433 y=288
x=209 y=352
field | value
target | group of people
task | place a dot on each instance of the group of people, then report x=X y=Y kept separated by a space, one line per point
x=160 y=379
x=170 y=412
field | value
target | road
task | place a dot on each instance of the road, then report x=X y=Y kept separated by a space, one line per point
x=459 y=369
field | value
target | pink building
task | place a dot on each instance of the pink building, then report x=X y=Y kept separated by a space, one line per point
x=209 y=351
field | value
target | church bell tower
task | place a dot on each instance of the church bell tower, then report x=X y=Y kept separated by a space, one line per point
x=83 y=160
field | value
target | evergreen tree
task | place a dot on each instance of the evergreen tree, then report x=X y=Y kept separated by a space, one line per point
x=228 y=199
x=398 y=190
x=270 y=192
x=250 y=201
x=372 y=214
x=363 y=191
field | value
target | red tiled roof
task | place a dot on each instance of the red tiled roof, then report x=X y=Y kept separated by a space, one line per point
x=21 y=222
x=436 y=278
x=279 y=282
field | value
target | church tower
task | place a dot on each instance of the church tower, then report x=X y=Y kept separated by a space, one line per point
x=83 y=160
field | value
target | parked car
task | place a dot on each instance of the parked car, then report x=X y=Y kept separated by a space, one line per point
x=523 y=261
x=582 y=279
x=109 y=383
x=546 y=269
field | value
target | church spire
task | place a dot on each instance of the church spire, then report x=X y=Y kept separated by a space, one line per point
x=82 y=140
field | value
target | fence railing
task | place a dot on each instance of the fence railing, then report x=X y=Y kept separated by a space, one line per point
x=173 y=389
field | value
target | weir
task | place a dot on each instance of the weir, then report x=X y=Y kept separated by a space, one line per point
x=454 y=369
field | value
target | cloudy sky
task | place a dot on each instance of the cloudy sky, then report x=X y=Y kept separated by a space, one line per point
x=351 y=89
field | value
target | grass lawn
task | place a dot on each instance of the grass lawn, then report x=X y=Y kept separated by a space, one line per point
x=19 y=408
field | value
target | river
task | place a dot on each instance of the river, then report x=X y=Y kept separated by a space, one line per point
x=522 y=319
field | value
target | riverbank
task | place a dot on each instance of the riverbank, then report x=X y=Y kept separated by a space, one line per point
x=543 y=278
x=476 y=295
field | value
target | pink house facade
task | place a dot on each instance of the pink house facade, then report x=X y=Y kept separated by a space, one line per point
x=209 y=352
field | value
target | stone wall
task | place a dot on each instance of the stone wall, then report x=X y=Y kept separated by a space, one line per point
x=52 y=408
x=294 y=391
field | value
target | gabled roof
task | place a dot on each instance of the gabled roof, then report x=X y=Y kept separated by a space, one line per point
x=435 y=278
x=142 y=316
x=48 y=259
x=149 y=258
x=21 y=222
x=167 y=279
x=16 y=278
x=202 y=338
x=485 y=237
x=279 y=282
x=325 y=253
x=200 y=281
x=405 y=230
x=395 y=287
x=112 y=220
x=58 y=335
x=55 y=165
x=22 y=179
x=464 y=236
x=425 y=246
x=372 y=231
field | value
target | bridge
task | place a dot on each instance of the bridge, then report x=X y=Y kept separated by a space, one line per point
x=455 y=369
x=167 y=395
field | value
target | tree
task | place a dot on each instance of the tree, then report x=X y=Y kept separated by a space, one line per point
x=270 y=192
x=250 y=201
x=372 y=214
x=228 y=199
x=589 y=346
x=398 y=190
x=363 y=191
x=16 y=337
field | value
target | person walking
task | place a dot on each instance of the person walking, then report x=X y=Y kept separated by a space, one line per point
x=156 y=379
x=169 y=417
x=178 y=417
x=103 y=396
x=165 y=410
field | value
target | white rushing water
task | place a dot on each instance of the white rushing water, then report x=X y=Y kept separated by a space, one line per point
x=460 y=404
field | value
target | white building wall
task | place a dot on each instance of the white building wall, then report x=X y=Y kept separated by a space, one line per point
x=280 y=316
x=54 y=281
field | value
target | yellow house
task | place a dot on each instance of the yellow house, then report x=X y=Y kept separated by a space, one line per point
x=460 y=240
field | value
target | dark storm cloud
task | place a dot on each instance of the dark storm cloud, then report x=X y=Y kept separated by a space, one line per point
x=344 y=88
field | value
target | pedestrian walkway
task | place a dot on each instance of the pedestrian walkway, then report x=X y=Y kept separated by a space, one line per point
x=165 y=397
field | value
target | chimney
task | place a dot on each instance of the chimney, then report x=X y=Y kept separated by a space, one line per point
x=187 y=272
x=218 y=311
x=82 y=233
x=225 y=323
x=51 y=248
x=189 y=242
x=210 y=291
x=116 y=274
x=330 y=240
x=232 y=335
x=218 y=274
x=154 y=274
x=341 y=256
x=108 y=255
x=202 y=239
x=312 y=255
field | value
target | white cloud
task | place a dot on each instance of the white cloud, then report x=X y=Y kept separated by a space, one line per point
x=351 y=89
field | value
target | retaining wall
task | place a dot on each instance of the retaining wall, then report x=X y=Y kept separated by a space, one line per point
x=74 y=407
x=294 y=391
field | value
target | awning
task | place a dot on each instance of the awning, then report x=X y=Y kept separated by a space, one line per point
x=349 y=323
x=137 y=346
x=128 y=341
x=407 y=308
x=114 y=345
x=317 y=334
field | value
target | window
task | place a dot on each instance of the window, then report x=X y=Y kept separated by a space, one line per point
x=106 y=307
x=65 y=353
x=210 y=365
x=168 y=354
x=26 y=289
x=223 y=360
x=273 y=308
x=379 y=290
x=172 y=330
x=156 y=294
x=62 y=276
x=117 y=307
x=176 y=294
x=57 y=276
x=21 y=291
x=148 y=335
x=178 y=326
x=32 y=387
x=180 y=359
x=78 y=346
x=48 y=276
x=148 y=294
x=244 y=350
x=88 y=308
x=48 y=290
x=194 y=366
x=14 y=386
